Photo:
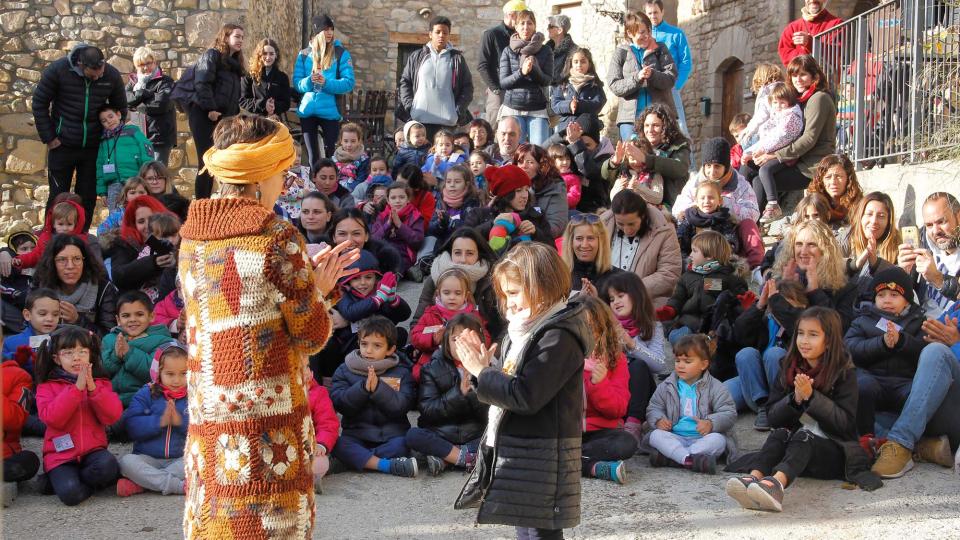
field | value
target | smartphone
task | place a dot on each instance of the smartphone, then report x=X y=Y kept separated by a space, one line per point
x=911 y=236
x=158 y=246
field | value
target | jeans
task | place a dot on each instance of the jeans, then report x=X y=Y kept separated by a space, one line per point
x=531 y=533
x=533 y=130
x=155 y=474
x=678 y=448
x=756 y=373
x=312 y=128
x=934 y=401
x=878 y=393
x=20 y=466
x=678 y=333
x=75 y=482
x=62 y=163
x=606 y=445
x=355 y=452
x=201 y=127
x=800 y=453
x=642 y=387
x=771 y=178
x=492 y=106
x=431 y=443
x=626 y=131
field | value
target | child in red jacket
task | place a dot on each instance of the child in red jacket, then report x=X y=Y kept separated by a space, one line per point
x=18 y=464
x=453 y=297
x=606 y=386
x=77 y=403
x=65 y=217
x=326 y=425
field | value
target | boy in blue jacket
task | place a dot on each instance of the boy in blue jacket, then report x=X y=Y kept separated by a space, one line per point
x=367 y=293
x=415 y=147
x=373 y=392
x=41 y=312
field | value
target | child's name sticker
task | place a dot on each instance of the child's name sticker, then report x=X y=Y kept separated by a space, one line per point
x=109 y=168
x=37 y=341
x=63 y=443
x=392 y=382
x=882 y=325
x=712 y=284
x=432 y=329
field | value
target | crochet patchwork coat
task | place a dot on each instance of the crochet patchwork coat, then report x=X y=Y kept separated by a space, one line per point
x=252 y=311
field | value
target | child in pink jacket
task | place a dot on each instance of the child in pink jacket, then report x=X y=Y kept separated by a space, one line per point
x=326 y=425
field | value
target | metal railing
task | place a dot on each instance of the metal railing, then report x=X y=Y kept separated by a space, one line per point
x=895 y=72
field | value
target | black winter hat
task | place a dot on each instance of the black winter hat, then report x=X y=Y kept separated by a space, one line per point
x=893 y=278
x=321 y=23
x=716 y=150
x=590 y=126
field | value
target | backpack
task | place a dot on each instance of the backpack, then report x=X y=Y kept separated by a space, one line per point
x=340 y=98
x=184 y=89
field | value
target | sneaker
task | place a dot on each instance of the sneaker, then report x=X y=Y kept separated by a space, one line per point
x=704 y=463
x=894 y=461
x=657 y=459
x=767 y=494
x=615 y=471
x=435 y=465
x=737 y=489
x=403 y=466
x=9 y=493
x=935 y=450
x=126 y=488
x=414 y=273
x=771 y=213
x=761 y=422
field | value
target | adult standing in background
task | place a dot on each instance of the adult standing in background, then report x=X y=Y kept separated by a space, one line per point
x=797 y=38
x=149 y=92
x=492 y=44
x=65 y=104
x=436 y=86
x=265 y=90
x=676 y=42
x=526 y=68
x=558 y=28
x=323 y=71
x=217 y=82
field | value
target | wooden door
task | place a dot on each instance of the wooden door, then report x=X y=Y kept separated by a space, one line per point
x=732 y=102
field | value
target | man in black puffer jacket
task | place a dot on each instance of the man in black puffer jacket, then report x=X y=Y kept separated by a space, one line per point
x=65 y=104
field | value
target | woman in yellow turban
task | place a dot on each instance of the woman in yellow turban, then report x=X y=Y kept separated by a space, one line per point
x=255 y=305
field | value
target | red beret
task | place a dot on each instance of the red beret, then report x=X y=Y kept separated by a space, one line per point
x=505 y=180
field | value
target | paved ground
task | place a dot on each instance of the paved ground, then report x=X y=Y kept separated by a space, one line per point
x=654 y=503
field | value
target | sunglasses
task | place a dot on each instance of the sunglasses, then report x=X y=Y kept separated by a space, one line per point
x=591 y=219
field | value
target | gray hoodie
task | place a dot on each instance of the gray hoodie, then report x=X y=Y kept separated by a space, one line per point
x=714 y=403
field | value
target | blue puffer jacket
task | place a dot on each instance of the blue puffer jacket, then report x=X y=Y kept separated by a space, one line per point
x=323 y=104
x=142 y=420
x=377 y=416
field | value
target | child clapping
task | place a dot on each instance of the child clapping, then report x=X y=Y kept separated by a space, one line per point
x=129 y=348
x=400 y=224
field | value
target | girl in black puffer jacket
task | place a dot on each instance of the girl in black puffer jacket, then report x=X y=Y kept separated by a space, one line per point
x=526 y=67
x=452 y=419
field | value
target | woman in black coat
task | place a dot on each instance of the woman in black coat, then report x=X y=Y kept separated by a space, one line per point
x=526 y=67
x=266 y=89
x=528 y=468
x=217 y=94
x=87 y=298
x=149 y=93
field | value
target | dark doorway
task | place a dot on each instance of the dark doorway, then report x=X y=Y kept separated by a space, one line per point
x=732 y=102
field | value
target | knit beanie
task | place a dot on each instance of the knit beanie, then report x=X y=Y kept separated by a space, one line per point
x=321 y=23
x=505 y=180
x=590 y=125
x=716 y=150
x=514 y=5
x=366 y=264
x=892 y=278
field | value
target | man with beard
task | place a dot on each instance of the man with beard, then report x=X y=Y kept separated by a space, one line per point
x=935 y=265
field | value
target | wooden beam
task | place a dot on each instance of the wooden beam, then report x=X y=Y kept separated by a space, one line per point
x=418 y=37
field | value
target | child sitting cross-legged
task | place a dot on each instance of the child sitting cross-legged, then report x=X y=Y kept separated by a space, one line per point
x=452 y=419
x=691 y=411
x=373 y=393
x=157 y=422
x=129 y=348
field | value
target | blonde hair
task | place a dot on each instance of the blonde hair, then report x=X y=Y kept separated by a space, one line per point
x=713 y=246
x=540 y=273
x=710 y=184
x=320 y=52
x=604 y=259
x=765 y=74
x=460 y=276
x=128 y=186
x=163 y=224
x=888 y=244
x=351 y=127
x=606 y=328
x=143 y=54
x=831 y=269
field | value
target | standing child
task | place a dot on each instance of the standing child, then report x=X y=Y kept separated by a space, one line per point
x=41 y=312
x=400 y=224
x=452 y=418
x=326 y=425
x=813 y=413
x=606 y=389
x=353 y=163
x=157 y=422
x=453 y=297
x=443 y=155
x=691 y=412
x=707 y=213
x=563 y=161
x=643 y=342
x=710 y=272
x=374 y=392
x=18 y=464
x=77 y=403
x=129 y=348
x=414 y=149
x=458 y=194
x=123 y=150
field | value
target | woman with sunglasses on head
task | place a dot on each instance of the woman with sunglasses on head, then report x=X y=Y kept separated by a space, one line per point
x=586 y=252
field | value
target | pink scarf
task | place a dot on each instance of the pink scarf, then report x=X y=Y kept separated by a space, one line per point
x=453 y=201
x=629 y=325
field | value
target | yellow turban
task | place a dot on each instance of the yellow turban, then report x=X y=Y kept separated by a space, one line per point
x=252 y=163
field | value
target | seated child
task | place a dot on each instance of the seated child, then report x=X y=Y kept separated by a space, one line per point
x=129 y=348
x=157 y=422
x=297 y=182
x=627 y=169
x=77 y=403
x=18 y=464
x=400 y=224
x=453 y=297
x=65 y=217
x=606 y=390
x=764 y=77
x=478 y=163
x=169 y=312
x=452 y=418
x=590 y=151
x=642 y=339
x=15 y=286
x=414 y=148
x=41 y=311
x=353 y=163
x=691 y=412
x=813 y=414
x=373 y=393
x=123 y=150
x=512 y=216
x=710 y=272
x=134 y=187
x=737 y=126
x=326 y=425
x=458 y=195
x=707 y=214
x=443 y=155
x=377 y=200
x=563 y=161
x=166 y=228
x=378 y=168
x=422 y=188
x=324 y=173
x=463 y=141
x=885 y=341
